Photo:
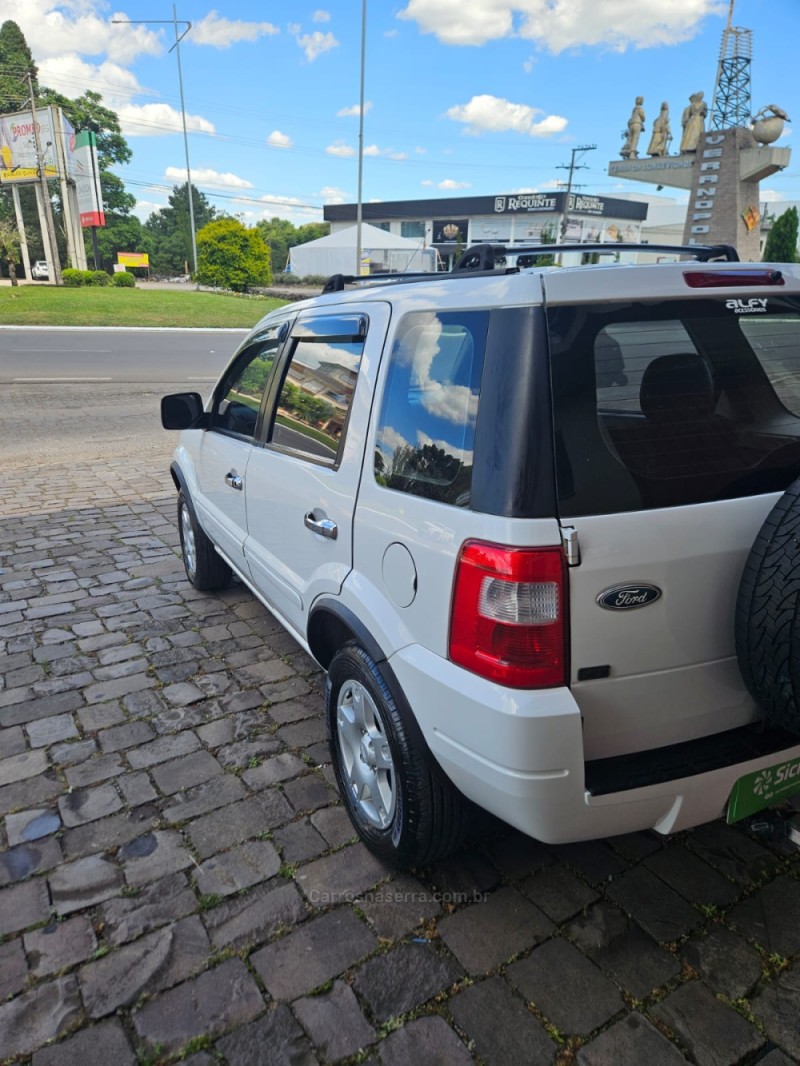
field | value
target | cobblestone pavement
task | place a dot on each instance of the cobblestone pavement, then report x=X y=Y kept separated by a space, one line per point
x=179 y=879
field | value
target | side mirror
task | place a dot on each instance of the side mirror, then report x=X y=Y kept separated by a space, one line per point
x=182 y=410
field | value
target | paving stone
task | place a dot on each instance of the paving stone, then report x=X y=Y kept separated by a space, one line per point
x=106 y=834
x=205 y=1005
x=21 y=767
x=299 y=841
x=51 y=730
x=689 y=875
x=12 y=741
x=17 y=864
x=341 y=876
x=334 y=825
x=23 y=905
x=426 y=1040
x=72 y=752
x=302 y=734
x=143 y=704
x=776 y=1058
x=153 y=856
x=35 y=1017
x=42 y=707
x=404 y=978
x=630 y=1040
x=13 y=968
x=726 y=962
x=254 y=917
x=83 y=883
x=713 y=1033
x=276 y=1030
x=733 y=853
x=136 y=788
x=637 y=846
x=238 y=821
x=335 y=1022
x=162 y=750
x=772 y=917
x=777 y=1008
x=150 y=964
x=622 y=950
x=156 y=904
x=281 y=767
x=119 y=737
x=398 y=907
x=31 y=825
x=242 y=754
x=209 y=796
x=185 y=772
x=558 y=893
x=318 y=950
x=182 y=695
x=308 y=793
x=231 y=871
x=567 y=988
x=88 y=804
x=464 y=878
x=35 y=790
x=123 y=686
x=59 y=945
x=499 y=1026
x=100 y=716
x=93 y=770
x=484 y=935
x=658 y=909
x=99 y=1045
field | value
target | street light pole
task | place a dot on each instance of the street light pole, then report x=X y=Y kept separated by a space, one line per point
x=48 y=207
x=174 y=22
x=361 y=138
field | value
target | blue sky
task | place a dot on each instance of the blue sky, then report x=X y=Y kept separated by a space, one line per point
x=464 y=97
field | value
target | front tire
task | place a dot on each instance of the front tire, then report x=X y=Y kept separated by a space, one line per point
x=204 y=568
x=402 y=805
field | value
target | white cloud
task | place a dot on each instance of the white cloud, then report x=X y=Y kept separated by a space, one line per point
x=487 y=113
x=316 y=43
x=158 y=120
x=145 y=208
x=419 y=347
x=560 y=24
x=341 y=149
x=770 y=196
x=206 y=176
x=420 y=151
x=331 y=195
x=355 y=110
x=220 y=32
x=449 y=183
x=279 y=140
x=390 y=33
x=427 y=182
x=529 y=64
x=293 y=28
x=321 y=16
x=372 y=149
x=387 y=153
x=55 y=27
x=70 y=75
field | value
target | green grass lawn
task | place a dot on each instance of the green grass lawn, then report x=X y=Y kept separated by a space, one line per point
x=46 y=305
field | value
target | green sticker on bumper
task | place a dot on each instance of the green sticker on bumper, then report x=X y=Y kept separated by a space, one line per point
x=762 y=788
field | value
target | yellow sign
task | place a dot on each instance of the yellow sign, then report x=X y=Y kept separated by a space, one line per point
x=133 y=259
x=751 y=217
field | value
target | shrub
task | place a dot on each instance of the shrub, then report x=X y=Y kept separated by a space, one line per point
x=123 y=280
x=99 y=277
x=73 y=278
x=230 y=256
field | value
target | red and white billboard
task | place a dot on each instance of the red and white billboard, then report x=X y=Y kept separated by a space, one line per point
x=82 y=168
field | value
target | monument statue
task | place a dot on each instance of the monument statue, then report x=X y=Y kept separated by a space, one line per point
x=693 y=122
x=767 y=125
x=634 y=128
x=659 y=142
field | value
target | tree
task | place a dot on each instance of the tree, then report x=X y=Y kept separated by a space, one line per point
x=9 y=246
x=15 y=62
x=170 y=231
x=781 y=246
x=231 y=256
x=281 y=235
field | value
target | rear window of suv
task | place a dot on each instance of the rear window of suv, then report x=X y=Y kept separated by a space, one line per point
x=673 y=403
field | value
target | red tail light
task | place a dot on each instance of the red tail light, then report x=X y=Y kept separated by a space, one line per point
x=509 y=617
x=714 y=279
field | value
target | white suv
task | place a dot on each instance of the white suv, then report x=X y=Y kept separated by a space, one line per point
x=39 y=271
x=509 y=511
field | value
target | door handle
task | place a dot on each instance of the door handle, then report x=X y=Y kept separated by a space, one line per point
x=325 y=527
x=234 y=480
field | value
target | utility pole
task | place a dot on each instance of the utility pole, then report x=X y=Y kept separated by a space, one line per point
x=48 y=207
x=359 y=208
x=572 y=166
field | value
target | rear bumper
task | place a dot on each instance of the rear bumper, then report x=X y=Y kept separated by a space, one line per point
x=519 y=754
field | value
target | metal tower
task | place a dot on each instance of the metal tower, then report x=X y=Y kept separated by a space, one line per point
x=731 y=105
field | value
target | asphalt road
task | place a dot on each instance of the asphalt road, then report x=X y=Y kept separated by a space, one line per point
x=190 y=357
x=79 y=395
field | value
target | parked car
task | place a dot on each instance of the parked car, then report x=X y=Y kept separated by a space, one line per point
x=39 y=271
x=517 y=517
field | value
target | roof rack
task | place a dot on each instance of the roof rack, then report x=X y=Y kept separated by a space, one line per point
x=484 y=259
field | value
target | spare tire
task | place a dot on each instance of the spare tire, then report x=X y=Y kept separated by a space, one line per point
x=767 y=622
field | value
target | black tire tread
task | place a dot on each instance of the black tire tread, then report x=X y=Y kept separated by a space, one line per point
x=211 y=572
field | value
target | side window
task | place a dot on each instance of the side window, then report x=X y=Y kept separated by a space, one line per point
x=426 y=430
x=316 y=395
x=236 y=410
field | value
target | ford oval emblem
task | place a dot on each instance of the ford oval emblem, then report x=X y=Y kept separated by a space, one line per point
x=628 y=597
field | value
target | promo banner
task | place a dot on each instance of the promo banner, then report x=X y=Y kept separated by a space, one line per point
x=18 y=146
x=84 y=171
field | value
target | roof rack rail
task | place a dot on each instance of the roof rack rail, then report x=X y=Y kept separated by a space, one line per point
x=483 y=259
